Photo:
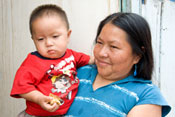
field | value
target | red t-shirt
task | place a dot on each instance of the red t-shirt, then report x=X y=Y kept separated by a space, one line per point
x=36 y=73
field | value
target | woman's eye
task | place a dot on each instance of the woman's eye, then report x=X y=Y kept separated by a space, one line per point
x=115 y=47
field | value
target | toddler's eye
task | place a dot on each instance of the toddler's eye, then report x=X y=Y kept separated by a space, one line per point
x=40 y=39
x=55 y=36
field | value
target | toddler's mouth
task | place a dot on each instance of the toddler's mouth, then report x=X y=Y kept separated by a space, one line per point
x=51 y=51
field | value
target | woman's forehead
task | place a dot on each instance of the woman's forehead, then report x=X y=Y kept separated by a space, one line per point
x=112 y=33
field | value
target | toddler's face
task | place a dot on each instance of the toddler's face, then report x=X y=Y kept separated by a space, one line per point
x=50 y=36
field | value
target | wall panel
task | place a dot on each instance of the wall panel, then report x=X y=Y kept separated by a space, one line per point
x=167 y=53
x=15 y=44
x=84 y=17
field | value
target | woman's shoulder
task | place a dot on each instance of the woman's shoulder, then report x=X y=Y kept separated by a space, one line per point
x=144 y=88
x=150 y=93
x=139 y=84
x=86 y=71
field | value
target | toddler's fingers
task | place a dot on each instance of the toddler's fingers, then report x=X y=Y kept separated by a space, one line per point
x=48 y=98
x=54 y=107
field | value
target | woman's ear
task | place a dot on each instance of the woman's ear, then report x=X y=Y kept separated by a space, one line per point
x=137 y=58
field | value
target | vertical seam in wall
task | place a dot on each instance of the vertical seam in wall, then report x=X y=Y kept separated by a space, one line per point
x=3 y=35
x=11 y=33
x=160 y=43
x=121 y=5
x=2 y=23
x=12 y=36
x=1 y=39
x=128 y=6
x=2 y=14
x=140 y=7
x=109 y=7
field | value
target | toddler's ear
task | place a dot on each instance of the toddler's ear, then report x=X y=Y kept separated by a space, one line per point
x=69 y=33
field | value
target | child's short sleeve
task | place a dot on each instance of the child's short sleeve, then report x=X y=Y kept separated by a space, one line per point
x=80 y=58
x=27 y=76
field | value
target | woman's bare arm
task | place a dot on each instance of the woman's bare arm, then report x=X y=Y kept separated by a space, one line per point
x=146 y=110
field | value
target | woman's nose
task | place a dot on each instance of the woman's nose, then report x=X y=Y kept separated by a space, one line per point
x=104 y=51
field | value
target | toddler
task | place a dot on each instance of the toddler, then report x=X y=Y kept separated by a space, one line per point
x=47 y=77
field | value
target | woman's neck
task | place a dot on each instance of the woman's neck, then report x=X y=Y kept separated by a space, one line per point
x=100 y=82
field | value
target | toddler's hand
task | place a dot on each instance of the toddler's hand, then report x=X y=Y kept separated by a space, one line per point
x=44 y=103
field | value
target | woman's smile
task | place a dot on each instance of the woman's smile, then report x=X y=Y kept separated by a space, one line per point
x=102 y=63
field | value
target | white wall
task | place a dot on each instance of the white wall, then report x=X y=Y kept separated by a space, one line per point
x=167 y=54
x=15 y=41
x=161 y=17
x=84 y=17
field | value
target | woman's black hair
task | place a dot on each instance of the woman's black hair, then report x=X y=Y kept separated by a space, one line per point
x=139 y=37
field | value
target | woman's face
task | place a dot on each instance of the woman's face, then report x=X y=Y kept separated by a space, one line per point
x=113 y=54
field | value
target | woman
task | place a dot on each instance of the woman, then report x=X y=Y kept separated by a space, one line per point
x=120 y=83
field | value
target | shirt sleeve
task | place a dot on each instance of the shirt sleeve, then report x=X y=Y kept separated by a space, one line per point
x=26 y=78
x=152 y=95
x=81 y=58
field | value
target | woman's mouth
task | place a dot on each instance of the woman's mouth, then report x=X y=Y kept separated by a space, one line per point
x=102 y=63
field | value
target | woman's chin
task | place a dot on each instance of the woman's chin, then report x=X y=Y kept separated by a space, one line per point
x=102 y=70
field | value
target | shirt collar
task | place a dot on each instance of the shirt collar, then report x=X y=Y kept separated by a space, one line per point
x=131 y=78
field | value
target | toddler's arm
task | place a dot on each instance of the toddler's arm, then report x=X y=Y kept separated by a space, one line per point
x=40 y=99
